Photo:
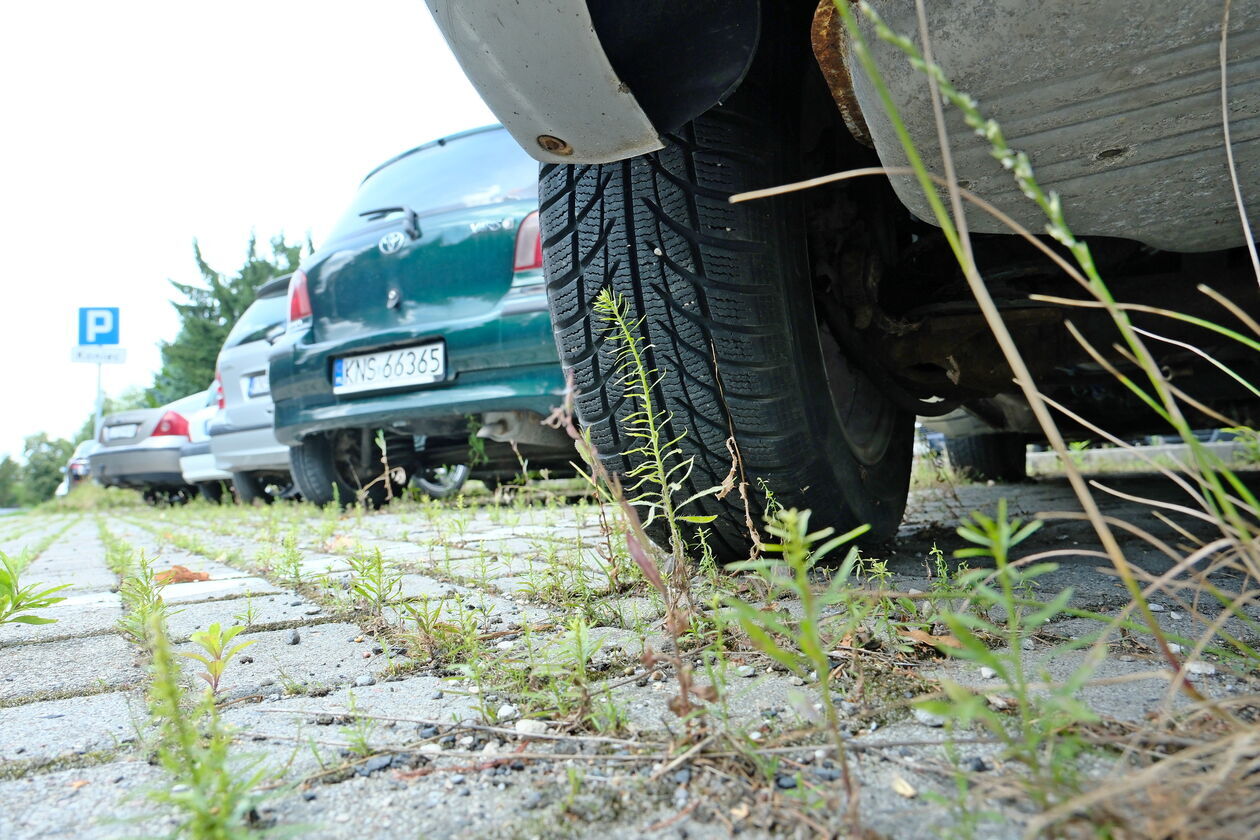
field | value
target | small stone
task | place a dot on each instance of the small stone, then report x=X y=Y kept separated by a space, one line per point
x=457 y=778
x=745 y=671
x=927 y=718
x=437 y=695
x=271 y=698
x=530 y=727
x=467 y=741
x=683 y=776
x=1126 y=658
x=1206 y=669
x=365 y=680
x=532 y=800
x=1174 y=615
x=680 y=797
x=827 y=774
x=785 y=782
x=430 y=748
x=987 y=673
x=506 y=644
x=795 y=680
x=293 y=638
x=1027 y=644
x=1175 y=648
x=975 y=764
x=507 y=712
x=1156 y=607
x=447 y=741
x=374 y=764
x=313 y=610
x=295 y=603
x=309 y=795
x=429 y=732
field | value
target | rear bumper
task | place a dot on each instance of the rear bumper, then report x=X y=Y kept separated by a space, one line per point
x=199 y=467
x=138 y=466
x=536 y=388
x=248 y=449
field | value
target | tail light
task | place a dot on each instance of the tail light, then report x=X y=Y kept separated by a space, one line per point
x=529 y=243
x=299 y=298
x=172 y=423
x=218 y=391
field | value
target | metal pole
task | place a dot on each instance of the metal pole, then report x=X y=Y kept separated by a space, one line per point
x=100 y=403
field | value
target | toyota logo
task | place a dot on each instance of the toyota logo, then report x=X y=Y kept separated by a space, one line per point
x=391 y=242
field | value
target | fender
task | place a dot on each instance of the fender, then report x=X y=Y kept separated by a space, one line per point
x=583 y=81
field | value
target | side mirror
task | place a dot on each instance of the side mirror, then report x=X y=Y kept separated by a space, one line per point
x=273 y=334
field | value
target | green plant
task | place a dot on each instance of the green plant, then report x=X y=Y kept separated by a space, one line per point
x=216 y=642
x=1041 y=736
x=141 y=595
x=358 y=733
x=374 y=583
x=214 y=796
x=16 y=600
x=795 y=549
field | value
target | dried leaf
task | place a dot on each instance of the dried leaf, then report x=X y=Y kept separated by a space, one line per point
x=707 y=693
x=78 y=783
x=922 y=638
x=740 y=812
x=180 y=574
x=903 y=788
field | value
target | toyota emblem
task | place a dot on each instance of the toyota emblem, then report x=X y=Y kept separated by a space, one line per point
x=392 y=242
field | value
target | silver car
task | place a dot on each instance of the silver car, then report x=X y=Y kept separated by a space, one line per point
x=242 y=437
x=196 y=460
x=141 y=449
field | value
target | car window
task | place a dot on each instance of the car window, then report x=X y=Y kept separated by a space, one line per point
x=261 y=316
x=472 y=171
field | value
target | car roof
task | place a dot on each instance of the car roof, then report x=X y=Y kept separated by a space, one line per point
x=441 y=141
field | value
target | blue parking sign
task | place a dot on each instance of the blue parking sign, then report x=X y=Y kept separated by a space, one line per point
x=98 y=325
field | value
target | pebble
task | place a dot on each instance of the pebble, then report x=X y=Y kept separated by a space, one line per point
x=987 y=673
x=313 y=610
x=683 y=776
x=429 y=732
x=928 y=718
x=745 y=671
x=295 y=603
x=1175 y=616
x=1175 y=648
x=374 y=764
x=680 y=797
x=531 y=727
x=507 y=712
x=506 y=645
x=1207 y=669
x=532 y=800
x=1027 y=644
x=366 y=679
x=827 y=774
x=309 y=795
x=795 y=680
x=293 y=638
x=430 y=748
x=437 y=695
x=1156 y=607
x=457 y=778
x=785 y=782
x=975 y=764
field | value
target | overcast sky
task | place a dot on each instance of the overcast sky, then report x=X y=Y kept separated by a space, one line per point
x=129 y=128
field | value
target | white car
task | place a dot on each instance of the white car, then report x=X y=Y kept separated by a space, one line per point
x=196 y=461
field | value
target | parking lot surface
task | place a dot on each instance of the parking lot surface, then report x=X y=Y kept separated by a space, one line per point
x=514 y=676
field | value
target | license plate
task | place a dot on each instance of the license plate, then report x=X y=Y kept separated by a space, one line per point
x=124 y=430
x=257 y=384
x=422 y=364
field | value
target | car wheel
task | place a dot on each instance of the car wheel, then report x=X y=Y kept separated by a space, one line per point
x=999 y=457
x=252 y=487
x=440 y=482
x=721 y=296
x=213 y=491
x=344 y=466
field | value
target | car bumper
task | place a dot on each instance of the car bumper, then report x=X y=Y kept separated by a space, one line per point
x=197 y=464
x=145 y=465
x=536 y=388
x=247 y=449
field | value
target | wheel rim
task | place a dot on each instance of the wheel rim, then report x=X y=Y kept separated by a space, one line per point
x=438 y=481
x=865 y=415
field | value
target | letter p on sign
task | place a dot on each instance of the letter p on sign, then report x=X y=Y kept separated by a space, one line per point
x=98 y=325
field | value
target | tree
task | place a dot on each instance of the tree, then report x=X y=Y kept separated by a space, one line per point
x=42 y=472
x=10 y=483
x=207 y=313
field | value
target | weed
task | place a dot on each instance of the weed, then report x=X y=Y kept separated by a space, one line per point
x=141 y=595
x=359 y=732
x=215 y=642
x=16 y=600
x=214 y=796
x=374 y=583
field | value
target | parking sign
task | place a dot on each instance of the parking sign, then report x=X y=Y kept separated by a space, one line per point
x=98 y=325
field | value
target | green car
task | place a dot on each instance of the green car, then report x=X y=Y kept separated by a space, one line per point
x=422 y=334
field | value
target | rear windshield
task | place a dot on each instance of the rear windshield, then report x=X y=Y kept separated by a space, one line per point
x=472 y=171
x=262 y=315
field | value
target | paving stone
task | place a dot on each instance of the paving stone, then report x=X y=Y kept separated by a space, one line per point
x=75 y=725
x=104 y=802
x=79 y=615
x=205 y=590
x=268 y=609
x=326 y=656
x=29 y=672
x=78 y=580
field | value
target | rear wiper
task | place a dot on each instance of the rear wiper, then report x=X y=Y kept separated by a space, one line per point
x=413 y=218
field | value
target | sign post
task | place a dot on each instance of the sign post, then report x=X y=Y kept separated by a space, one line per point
x=98 y=342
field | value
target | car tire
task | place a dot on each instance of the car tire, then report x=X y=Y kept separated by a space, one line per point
x=252 y=487
x=721 y=295
x=213 y=491
x=332 y=467
x=997 y=457
x=441 y=482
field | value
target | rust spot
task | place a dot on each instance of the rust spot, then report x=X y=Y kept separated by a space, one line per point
x=831 y=52
x=554 y=145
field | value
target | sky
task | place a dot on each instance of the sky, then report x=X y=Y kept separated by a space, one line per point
x=127 y=129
